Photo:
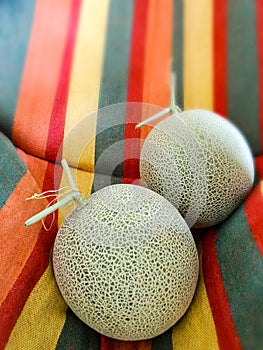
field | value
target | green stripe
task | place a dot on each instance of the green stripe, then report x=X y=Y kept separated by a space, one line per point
x=15 y=25
x=110 y=133
x=117 y=50
x=178 y=50
x=163 y=341
x=12 y=169
x=241 y=265
x=77 y=336
x=243 y=95
x=114 y=83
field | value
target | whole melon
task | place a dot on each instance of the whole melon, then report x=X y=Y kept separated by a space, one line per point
x=201 y=163
x=126 y=262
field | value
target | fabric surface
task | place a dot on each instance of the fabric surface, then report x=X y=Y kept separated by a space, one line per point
x=62 y=64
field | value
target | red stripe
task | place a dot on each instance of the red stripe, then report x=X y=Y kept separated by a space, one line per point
x=135 y=88
x=259 y=20
x=253 y=210
x=115 y=344
x=57 y=119
x=39 y=259
x=106 y=343
x=225 y=329
x=220 y=56
x=126 y=345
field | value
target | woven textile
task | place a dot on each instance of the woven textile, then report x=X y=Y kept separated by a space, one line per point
x=62 y=64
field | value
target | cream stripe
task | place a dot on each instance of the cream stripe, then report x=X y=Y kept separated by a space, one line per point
x=42 y=319
x=198 y=54
x=196 y=330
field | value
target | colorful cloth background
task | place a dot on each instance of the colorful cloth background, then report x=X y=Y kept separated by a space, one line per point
x=62 y=61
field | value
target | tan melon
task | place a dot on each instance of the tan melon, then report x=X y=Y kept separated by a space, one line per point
x=201 y=163
x=126 y=262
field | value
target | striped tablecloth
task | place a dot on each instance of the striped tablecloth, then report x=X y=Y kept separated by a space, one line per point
x=61 y=61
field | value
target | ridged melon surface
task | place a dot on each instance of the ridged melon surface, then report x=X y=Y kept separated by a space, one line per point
x=126 y=262
x=201 y=163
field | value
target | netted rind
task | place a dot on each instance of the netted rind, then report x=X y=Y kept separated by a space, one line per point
x=126 y=262
x=201 y=163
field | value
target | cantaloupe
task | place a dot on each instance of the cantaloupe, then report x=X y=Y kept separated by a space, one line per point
x=126 y=262
x=201 y=163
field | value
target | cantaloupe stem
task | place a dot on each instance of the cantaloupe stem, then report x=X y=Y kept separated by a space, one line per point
x=69 y=176
x=154 y=117
x=48 y=210
x=73 y=196
x=173 y=108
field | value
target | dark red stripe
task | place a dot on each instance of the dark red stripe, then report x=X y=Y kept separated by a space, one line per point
x=225 y=329
x=259 y=20
x=57 y=119
x=220 y=56
x=106 y=343
x=259 y=166
x=253 y=210
x=135 y=88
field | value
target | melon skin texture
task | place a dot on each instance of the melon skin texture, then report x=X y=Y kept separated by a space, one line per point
x=126 y=263
x=201 y=163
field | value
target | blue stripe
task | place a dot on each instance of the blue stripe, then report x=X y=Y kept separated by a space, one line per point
x=243 y=95
x=12 y=169
x=15 y=26
x=163 y=341
x=114 y=80
x=77 y=336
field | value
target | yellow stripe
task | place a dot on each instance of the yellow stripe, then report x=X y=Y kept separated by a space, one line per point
x=83 y=180
x=198 y=54
x=86 y=76
x=84 y=96
x=261 y=186
x=196 y=330
x=42 y=319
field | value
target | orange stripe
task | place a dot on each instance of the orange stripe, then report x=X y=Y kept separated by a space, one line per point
x=158 y=53
x=36 y=166
x=145 y=345
x=19 y=245
x=40 y=77
x=158 y=57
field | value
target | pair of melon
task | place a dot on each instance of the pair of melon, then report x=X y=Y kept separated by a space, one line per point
x=126 y=261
